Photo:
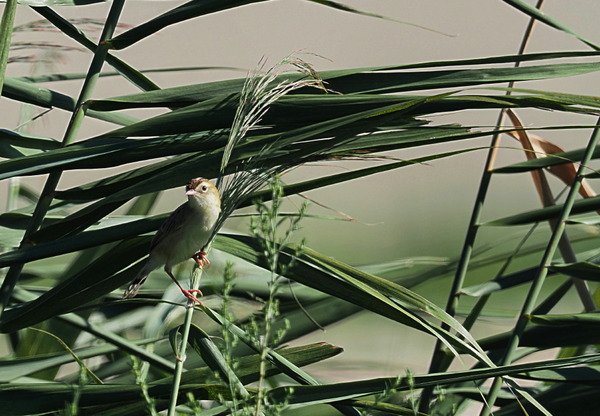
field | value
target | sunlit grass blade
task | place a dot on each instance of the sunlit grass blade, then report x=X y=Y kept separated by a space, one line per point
x=366 y=81
x=370 y=292
x=339 y=6
x=538 y=15
x=501 y=283
x=31 y=93
x=592 y=319
x=16 y=144
x=544 y=214
x=353 y=390
x=581 y=270
x=545 y=337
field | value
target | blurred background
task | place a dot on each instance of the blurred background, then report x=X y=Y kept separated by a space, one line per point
x=418 y=211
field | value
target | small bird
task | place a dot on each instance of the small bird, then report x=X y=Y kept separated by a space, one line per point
x=183 y=235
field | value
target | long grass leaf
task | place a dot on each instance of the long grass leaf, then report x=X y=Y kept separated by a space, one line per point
x=31 y=93
x=544 y=214
x=352 y=390
x=538 y=15
x=66 y=27
x=179 y=14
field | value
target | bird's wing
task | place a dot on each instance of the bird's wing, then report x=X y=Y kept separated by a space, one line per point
x=174 y=222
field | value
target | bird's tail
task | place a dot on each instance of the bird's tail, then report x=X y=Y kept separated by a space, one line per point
x=135 y=284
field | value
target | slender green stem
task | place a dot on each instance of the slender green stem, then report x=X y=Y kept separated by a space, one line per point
x=540 y=277
x=564 y=245
x=182 y=352
x=264 y=347
x=6 y=28
x=439 y=361
x=73 y=127
x=66 y=27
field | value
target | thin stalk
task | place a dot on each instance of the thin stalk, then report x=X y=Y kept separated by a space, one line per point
x=540 y=277
x=73 y=127
x=568 y=254
x=438 y=359
x=66 y=27
x=264 y=347
x=545 y=193
x=182 y=352
x=6 y=29
x=481 y=302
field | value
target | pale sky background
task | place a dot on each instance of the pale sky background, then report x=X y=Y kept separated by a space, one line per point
x=416 y=211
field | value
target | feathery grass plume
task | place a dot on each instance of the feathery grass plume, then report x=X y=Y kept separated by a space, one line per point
x=257 y=94
x=260 y=90
x=85 y=24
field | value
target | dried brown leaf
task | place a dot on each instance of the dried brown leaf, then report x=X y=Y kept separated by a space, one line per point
x=536 y=146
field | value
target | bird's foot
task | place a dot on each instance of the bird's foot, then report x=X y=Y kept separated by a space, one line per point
x=189 y=294
x=201 y=259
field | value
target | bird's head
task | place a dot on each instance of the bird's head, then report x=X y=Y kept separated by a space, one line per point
x=203 y=194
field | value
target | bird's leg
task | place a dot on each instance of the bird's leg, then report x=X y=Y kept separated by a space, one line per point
x=201 y=259
x=186 y=293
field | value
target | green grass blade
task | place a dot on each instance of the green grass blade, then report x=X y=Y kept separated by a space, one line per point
x=353 y=390
x=126 y=398
x=582 y=319
x=31 y=93
x=179 y=14
x=79 y=242
x=102 y=333
x=66 y=27
x=548 y=161
x=212 y=356
x=14 y=145
x=41 y=3
x=546 y=337
x=544 y=214
x=538 y=15
x=582 y=270
x=357 y=81
x=51 y=397
x=11 y=369
x=102 y=276
x=370 y=292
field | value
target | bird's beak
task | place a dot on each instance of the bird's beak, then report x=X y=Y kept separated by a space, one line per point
x=191 y=192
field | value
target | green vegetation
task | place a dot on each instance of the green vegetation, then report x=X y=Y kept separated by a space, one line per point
x=75 y=347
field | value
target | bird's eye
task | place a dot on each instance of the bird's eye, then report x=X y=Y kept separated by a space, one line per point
x=204 y=188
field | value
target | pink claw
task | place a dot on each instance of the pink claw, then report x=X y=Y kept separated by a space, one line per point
x=201 y=259
x=188 y=294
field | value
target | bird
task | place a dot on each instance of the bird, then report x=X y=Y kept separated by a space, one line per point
x=183 y=235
